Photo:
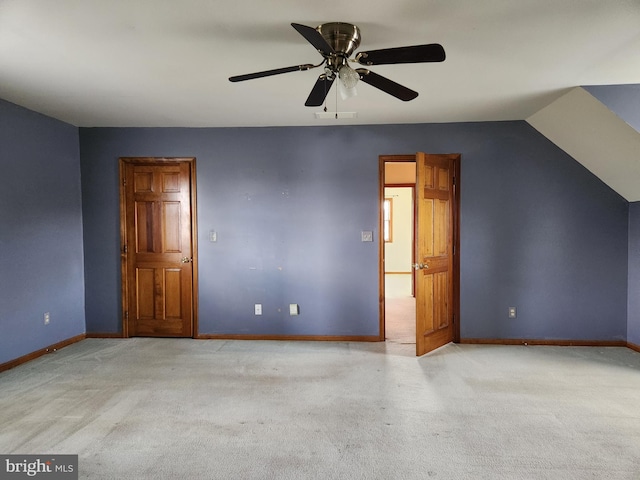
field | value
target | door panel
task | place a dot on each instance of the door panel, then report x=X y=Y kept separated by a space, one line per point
x=144 y=236
x=435 y=200
x=172 y=227
x=159 y=271
x=145 y=286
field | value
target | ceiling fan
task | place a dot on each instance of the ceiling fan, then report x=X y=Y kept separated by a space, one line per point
x=336 y=41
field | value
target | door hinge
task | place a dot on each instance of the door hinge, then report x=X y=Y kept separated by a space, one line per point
x=125 y=249
x=126 y=315
x=124 y=181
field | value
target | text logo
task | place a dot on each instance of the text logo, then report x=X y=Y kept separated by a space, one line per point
x=50 y=467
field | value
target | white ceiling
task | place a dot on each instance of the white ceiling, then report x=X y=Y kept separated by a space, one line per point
x=167 y=62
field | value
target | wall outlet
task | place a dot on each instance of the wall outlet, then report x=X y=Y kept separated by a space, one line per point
x=513 y=313
x=47 y=318
x=257 y=309
x=366 y=236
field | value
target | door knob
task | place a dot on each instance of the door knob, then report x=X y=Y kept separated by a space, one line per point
x=185 y=260
x=419 y=266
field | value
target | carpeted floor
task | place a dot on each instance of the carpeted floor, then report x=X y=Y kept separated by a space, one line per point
x=190 y=409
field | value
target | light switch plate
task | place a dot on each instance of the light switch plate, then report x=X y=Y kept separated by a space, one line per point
x=294 y=309
x=367 y=236
x=257 y=309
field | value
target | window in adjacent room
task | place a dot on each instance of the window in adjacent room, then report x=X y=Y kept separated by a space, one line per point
x=387 y=212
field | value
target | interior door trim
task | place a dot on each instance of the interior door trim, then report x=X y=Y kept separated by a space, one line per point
x=123 y=232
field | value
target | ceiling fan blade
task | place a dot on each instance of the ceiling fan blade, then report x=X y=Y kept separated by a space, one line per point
x=268 y=73
x=314 y=37
x=388 y=86
x=319 y=91
x=432 y=52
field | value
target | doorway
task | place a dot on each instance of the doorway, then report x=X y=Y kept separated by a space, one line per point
x=398 y=234
x=158 y=240
x=419 y=278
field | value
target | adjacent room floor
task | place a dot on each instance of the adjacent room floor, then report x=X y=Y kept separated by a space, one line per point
x=168 y=408
x=400 y=319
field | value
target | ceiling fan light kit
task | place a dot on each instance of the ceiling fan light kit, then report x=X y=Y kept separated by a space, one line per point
x=348 y=76
x=336 y=41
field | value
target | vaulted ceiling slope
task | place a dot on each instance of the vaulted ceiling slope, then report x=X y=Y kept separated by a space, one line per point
x=596 y=136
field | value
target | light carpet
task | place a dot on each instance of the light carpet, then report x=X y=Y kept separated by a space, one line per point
x=172 y=409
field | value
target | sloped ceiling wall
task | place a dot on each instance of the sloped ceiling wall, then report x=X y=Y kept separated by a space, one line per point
x=596 y=136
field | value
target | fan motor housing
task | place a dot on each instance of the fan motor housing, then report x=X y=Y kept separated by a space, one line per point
x=344 y=38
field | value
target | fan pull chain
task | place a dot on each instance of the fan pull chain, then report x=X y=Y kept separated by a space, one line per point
x=325 y=97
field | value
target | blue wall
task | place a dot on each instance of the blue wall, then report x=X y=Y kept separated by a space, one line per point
x=633 y=327
x=623 y=100
x=539 y=231
x=41 y=258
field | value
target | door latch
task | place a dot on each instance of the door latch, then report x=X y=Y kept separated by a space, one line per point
x=419 y=266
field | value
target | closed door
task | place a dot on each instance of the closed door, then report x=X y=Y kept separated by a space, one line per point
x=158 y=250
x=436 y=216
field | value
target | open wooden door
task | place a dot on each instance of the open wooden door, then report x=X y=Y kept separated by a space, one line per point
x=157 y=224
x=436 y=255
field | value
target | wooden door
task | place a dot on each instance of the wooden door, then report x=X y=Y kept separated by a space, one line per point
x=158 y=248
x=435 y=242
